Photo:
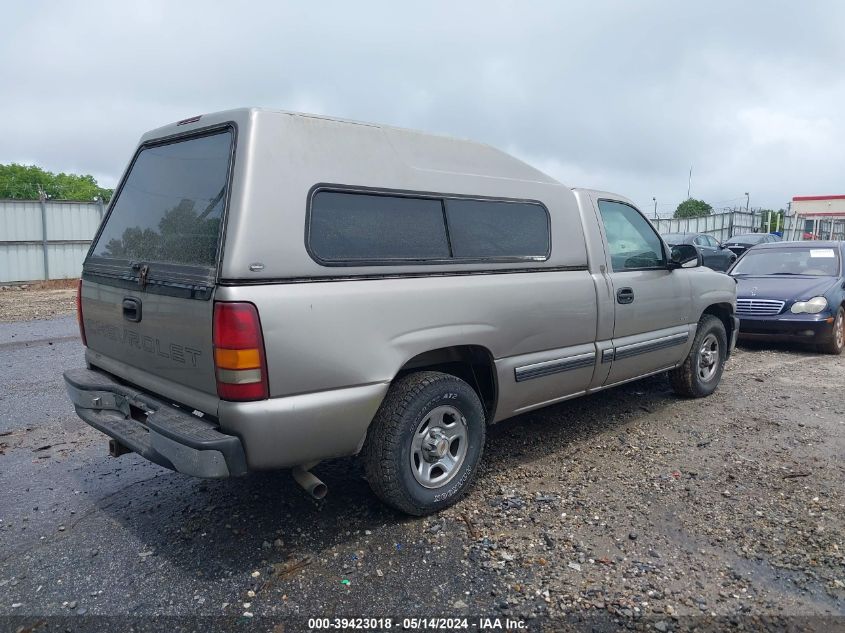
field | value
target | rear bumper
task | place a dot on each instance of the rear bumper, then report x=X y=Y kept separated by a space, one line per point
x=160 y=432
x=812 y=329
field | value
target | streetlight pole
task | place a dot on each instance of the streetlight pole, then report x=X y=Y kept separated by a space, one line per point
x=655 y=207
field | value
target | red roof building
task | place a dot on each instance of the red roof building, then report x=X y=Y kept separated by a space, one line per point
x=823 y=217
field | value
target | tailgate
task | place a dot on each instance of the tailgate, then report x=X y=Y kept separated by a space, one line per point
x=172 y=341
x=149 y=278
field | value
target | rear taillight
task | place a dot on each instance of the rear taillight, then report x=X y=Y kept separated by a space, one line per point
x=79 y=313
x=239 y=352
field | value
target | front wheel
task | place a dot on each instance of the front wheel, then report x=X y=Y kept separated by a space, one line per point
x=425 y=443
x=836 y=343
x=701 y=371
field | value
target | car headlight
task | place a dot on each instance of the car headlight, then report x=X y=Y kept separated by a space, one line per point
x=812 y=306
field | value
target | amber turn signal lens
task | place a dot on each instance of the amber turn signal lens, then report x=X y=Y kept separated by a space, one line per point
x=237 y=358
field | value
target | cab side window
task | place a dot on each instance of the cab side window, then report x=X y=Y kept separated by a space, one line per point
x=633 y=243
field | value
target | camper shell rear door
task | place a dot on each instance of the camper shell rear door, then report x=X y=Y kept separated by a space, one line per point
x=149 y=277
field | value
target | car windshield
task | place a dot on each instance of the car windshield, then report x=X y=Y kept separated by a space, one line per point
x=675 y=238
x=819 y=262
x=749 y=238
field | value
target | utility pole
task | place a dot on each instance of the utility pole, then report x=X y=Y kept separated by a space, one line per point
x=747 y=201
x=655 y=207
x=689 y=182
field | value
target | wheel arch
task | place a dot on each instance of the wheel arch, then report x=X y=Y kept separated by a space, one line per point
x=724 y=312
x=473 y=364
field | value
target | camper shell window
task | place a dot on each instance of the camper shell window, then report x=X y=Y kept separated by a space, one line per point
x=169 y=209
x=377 y=228
x=359 y=227
x=481 y=229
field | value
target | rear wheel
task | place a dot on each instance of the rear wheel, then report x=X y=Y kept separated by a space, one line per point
x=837 y=338
x=701 y=371
x=425 y=443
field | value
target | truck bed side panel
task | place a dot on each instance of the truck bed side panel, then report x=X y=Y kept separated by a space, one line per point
x=339 y=334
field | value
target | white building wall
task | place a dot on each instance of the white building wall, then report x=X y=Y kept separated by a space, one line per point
x=800 y=207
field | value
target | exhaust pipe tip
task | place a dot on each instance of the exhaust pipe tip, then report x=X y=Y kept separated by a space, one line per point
x=310 y=483
x=319 y=491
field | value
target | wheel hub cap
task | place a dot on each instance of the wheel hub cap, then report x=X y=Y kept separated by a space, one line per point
x=435 y=445
x=708 y=357
x=439 y=447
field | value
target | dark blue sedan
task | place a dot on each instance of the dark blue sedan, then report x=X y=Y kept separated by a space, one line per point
x=793 y=291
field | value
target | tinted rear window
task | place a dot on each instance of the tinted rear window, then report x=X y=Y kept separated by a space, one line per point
x=360 y=227
x=489 y=229
x=347 y=227
x=170 y=207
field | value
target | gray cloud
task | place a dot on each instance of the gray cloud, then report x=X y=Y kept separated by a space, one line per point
x=617 y=95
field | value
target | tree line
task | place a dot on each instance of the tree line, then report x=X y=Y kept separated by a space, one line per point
x=28 y=182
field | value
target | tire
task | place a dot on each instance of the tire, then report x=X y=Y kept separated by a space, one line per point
x=693 y=378
x=836 y=343
x=403 y=455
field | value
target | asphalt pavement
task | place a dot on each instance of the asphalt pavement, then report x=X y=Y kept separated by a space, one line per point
x=85 y=533
x=631 y=504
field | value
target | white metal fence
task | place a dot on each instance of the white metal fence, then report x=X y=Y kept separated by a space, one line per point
x=724 y=225
x=45 y=240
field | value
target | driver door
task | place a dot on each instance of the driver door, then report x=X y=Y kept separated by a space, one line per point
x=652 y=303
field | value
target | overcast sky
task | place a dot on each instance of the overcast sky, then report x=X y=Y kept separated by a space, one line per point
x=623 y=96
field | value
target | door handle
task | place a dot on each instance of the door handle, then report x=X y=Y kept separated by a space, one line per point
x=625 y=295
x=132 y=309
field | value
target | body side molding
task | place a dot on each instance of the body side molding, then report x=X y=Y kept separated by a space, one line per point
x=549 y=367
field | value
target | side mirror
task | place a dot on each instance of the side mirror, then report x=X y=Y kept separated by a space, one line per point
x=684 y=256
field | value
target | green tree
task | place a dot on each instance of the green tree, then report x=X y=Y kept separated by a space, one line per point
x=26 y=182
x=692 y=208
x=777 y=219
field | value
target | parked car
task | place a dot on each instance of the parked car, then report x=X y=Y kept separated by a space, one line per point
x=793 y=291
x=741 y=243
x=269 y=290
x=713 y=253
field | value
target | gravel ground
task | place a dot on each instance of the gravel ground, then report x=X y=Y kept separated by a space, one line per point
x=24 y=303
x=630 y=504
